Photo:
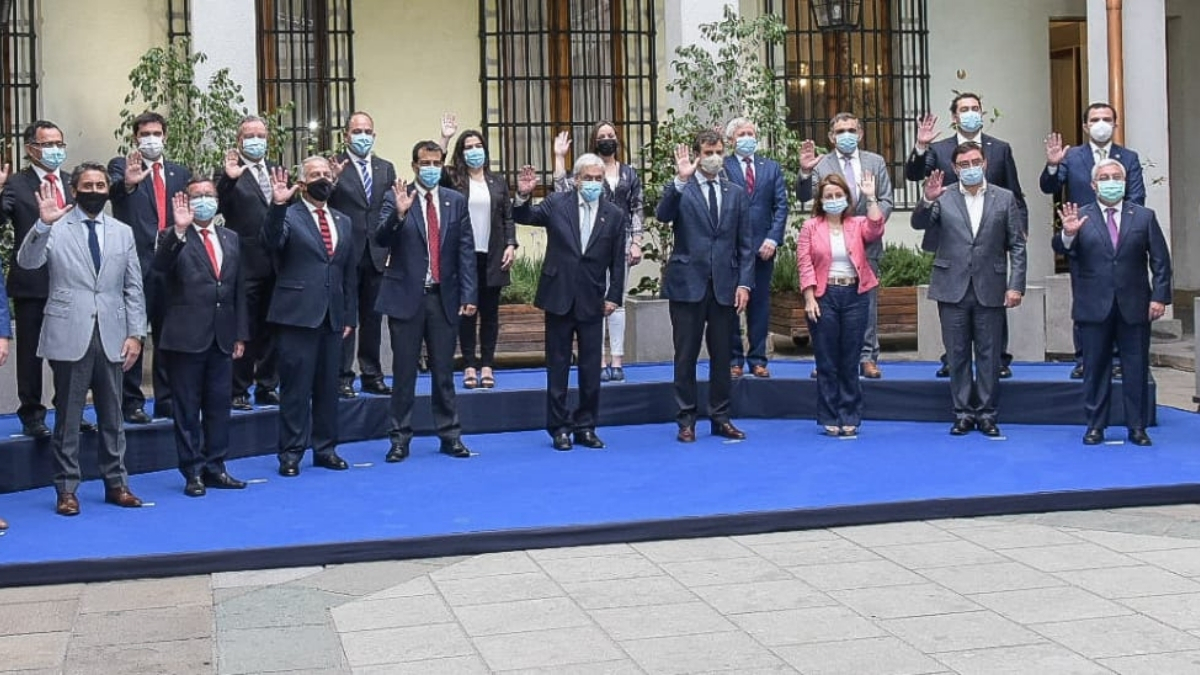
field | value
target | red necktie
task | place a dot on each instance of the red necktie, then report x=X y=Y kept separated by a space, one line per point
x=435 y=239
x=749 y=175
x=326 y=235
x=58 y=195
x=160 y=196
x=212 y=251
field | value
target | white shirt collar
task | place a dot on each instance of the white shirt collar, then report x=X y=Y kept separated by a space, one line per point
x=982 y=189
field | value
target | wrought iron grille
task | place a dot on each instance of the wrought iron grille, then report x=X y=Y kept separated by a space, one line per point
x=880 y=72
x=18 y=77
x=562 y=65
x=179 y=17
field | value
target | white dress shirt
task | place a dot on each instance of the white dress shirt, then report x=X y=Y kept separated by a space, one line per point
x=419 y=203
x=1068 y=239
x=312 y=211
x=974 y=204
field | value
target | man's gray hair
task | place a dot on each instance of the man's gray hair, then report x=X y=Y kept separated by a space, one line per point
x=737 y=123
x=311 y=160
x=1107 y=162
x=588 y=159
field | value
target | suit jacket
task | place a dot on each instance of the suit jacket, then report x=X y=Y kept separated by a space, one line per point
x=311 y=287
x=993 y=260
x=629 y=195
x=871 y=163
x=814 y=252
x=1075 y=174
x=704 y=251
x=198 y=307
x=139 y=209
x=18 y=207
x=575 y=274
x=768 y=204
x=503 y=232
x=350 y=198
x=245 y=208
x=5 y=315
x=403 y=287
x=1101 y=275
x=81 y=297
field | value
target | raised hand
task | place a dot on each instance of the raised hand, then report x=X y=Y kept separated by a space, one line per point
x=934 y=185
x=1055 y=150
x=562 y=144
x=404 y=200
x=135 y=171
x=808 y=156
x=685 y=166
x=527 y=180
x=338 y=167
x=1068 y=214
x=927 y=131
x=233 y=165
x=449 y=125
x=181 y=205
x=866 y=186
x=48 y=209
x=281 y=193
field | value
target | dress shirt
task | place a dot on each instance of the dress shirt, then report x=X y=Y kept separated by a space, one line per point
x=212 y=235
x=312 y=211
x=1100 y=152
x=1068 y=239
x=419 y=203
x=587 y=220
x=741 y=160
x=959 y=140
x=974 y=204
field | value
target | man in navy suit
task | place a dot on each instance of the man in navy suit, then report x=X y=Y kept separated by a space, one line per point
x=364 y=179
x=313 y=309
x=766 y=191
x=203 y=330
x=142 y=186
x=585 y=245
x=428 y=283
x=1109 y=243
x=708 y=278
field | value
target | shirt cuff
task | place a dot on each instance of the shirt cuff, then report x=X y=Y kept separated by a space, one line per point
x=680 y=184
x=182 y=235
x=771 y=241
x=1068 y=239
x=919 y=152
x=1051 y=169
x=518 y=200
x=41 y=227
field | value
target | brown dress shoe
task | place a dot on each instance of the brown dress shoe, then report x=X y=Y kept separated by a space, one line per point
x=121 y=496
x=735 y=372
x=686 y=435
x=870 y=370
x=760 y=371
x=68 y=505
x=727 y=430
x=3 y=524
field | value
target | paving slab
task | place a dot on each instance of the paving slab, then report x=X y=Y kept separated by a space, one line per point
x=277 y=649
x=412 y=643
x=633 y=623
x=700 y=653
x=762 y=596
x=418 y=610
x=870 y=656
x=957 y=632
x=991 y=578
x=800 y=626
x=851 y=575
x=725 y=571
x=278 y=606
x=1118 y=636
x=1130 y=582
x=558 y=648
x=51 y=616
x=1051 y=659
x=146 y=594
x=1046 y=605
x=34 y=650
x=633 y=592
x=500 y=588
x=520 y=616
x=135 y=626
x=893 y=602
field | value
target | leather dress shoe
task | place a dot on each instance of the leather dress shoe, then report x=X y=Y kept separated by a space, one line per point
x=1077 y=372
x=121 y=496
x=347 y=391
x=1139 y=437
x=686 y=434
x=3 y=525
x=760 y=371
x=332 y=461
x=36 y=429
x=137 y=416
x=588 y=439
x=289 y=469
x=943 y=372
x=727 y=430
x=562 y=441
x=67 y=505
x=1093 y=436
x=376 y=387
x=989 y=428
x=398 y=452
x=455 y=449
x=87 y=427
x=870 y=370
x=222 y=481
x=735 y=372
x=194 y=487
x=962 y=427
x=266 y=397
x=1005 y=372
x=241 y=403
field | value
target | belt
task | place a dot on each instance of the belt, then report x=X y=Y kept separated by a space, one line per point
x=433 y=288
x=842 y=281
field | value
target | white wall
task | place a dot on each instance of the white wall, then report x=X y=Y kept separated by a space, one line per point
x=225 y=31
x=1183 y=172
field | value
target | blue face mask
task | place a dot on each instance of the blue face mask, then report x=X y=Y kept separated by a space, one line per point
x=591 y=189
x=746 y=145
x=1110 y=191
x=475 y=157
x=430 y=176
x=52 y=158
x=972 y=176
x=970 y=121
x=361 y=144
x=254 y=148
x=847 y=142
x=835 y=206
x=204 y=208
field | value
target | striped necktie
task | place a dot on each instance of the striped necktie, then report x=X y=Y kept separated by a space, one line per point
x=365 y=171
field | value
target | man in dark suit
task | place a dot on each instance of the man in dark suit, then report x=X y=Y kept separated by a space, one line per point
x=978 y=272
x=928 y=155
x=430 y=280
x=708 y=278
x=143 y=184
x=1109 y=243
x=364 y=179
x=766 y=192
x=585 y=246
x=313 y=309
x=244 y=192
x=203 y=330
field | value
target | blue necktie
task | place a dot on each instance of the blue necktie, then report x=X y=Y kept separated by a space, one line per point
x=712 y=202
x=366 y=177
x=93 y=243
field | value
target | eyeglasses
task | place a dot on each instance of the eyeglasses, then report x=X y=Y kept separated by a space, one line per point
x=48 y=144
x=970 y=165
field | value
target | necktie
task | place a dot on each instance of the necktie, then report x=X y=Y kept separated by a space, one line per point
x=713 y=211
x=1112 y=226
x=160 y=196
x=326 y=235
x=58 y=195
x=366 y=177
x=93 y=243
x=1101 y=154
x=585 y=226
x=848 y=174
x=749 y=175
x=212 y=252
x=264 y=182
x=434 y=233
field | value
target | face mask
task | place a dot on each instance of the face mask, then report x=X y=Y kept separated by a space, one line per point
x=1110 y=191
x=430 y=175
x=971 y=176
x=151 y=147
x=835 y=206
x=847 y=142
x=254 y=148
x=711 y=164
x=92 y=203
x=475 y=157
x=970 y=121
x=361 y=144
x=606 y=147
x=52 y=158
x=203 y=208
x=591 y=189
x=1101 y=132
x=746 y=145
x=319 y=189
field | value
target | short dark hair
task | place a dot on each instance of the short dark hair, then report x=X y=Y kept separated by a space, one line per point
x=961 y=96
x=707 y=137
x=431 y=146
x=356 y=113
x=1087 y=112
x=197 y=179
x=832 y=179
x=148 y=117
x=30 y=133
x=964 y=148
x=86 y=166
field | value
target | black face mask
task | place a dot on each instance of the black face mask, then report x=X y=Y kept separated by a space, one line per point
x=319 y=189
x=606 y=147
x=92 y=203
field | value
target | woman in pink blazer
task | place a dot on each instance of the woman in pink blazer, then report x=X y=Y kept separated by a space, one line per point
x=835 y=277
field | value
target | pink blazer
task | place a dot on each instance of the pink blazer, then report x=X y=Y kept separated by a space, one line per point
x=814 y=253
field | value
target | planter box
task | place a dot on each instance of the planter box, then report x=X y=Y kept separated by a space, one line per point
x=897 y=313
x=522 y=330
x=648 y=337
x=787 y=316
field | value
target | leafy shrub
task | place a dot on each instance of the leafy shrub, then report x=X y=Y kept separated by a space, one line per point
x=904 y=266
x=525 y=273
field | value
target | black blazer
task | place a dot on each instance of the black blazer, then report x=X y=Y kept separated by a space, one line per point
x=574 y=272
x=350 y=198
x=138 y=209
x=503 y=232
x=18 y=207
x=242 y=203
x=198 y=308
x=310 y=286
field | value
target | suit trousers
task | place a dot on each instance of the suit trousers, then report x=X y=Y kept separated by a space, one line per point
x=202 y=410
x=369 y=333
x=308 y=396
x=72 y=379
x=562 y=330
x=1006 y=359
x=432 y=327
x=837 y=342
x=132 y=397
x=972 y=334
x=28 y=315
x=716 y=324
x=758 y=317
x=1132 y=342
x=259 y=365
x=486 y=321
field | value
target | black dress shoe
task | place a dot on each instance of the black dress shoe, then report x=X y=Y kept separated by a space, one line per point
x=943 y=372
x=266 y=397
x=87 y=427
x=686 y=434
x=347 y=391
x=1077 y=372
x=989 y=428
x=455 y=448
x=962 y=427
x=289 y=469
x=397 y=453
x=241 y=403
x=618 y=374
x=36 y=429
x=332 y=461
x=588 y=439
x=377 y=387
x=137 y=416
x=727 y=430
x=222 y=481
x=1093 y=436
x=1139 y=437
x=194 y=487
x=562 y=441
x=1005 y=372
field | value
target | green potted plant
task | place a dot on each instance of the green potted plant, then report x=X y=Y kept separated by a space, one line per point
x=522 y=326
x=901 y=270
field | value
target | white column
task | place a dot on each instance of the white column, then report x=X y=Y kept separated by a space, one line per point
x=1097 y=48
x=682 y=27
x=225 y=30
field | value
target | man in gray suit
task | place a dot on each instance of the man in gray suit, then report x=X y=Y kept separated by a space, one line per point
x=852 y=163
x=95 y=322
x=978 y=272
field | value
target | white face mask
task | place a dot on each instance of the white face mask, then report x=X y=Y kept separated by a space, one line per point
x=1101 y=131
x=711 y=164
x=151 y=147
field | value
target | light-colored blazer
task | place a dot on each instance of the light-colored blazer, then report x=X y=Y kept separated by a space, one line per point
x=814 y=251
x=871 y=163
x=79 y=296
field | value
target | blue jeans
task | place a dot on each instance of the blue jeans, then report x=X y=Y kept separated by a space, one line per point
x=837 y=344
